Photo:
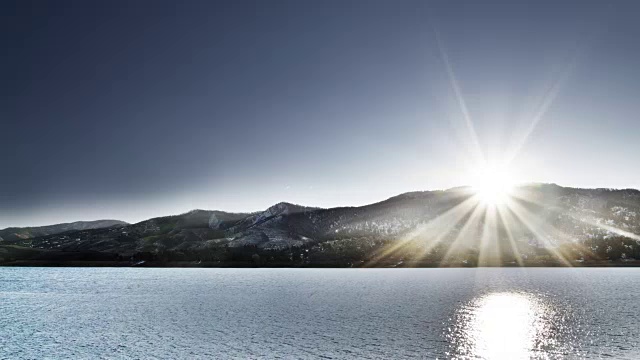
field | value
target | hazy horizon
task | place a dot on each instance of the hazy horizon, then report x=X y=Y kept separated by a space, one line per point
x=130 y=111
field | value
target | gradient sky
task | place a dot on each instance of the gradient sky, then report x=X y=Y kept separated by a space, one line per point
x=136 y=109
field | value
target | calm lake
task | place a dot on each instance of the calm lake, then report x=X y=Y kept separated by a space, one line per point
x=319 y=313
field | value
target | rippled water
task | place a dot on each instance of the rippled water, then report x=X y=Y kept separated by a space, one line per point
x=312 y=313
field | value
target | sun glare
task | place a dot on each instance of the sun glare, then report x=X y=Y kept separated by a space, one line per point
x=501 y=326
x=492 y=185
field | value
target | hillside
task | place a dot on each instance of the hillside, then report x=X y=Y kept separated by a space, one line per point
x=543 y=224
x=16 y=233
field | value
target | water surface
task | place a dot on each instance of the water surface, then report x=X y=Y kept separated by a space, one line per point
x=312 y=313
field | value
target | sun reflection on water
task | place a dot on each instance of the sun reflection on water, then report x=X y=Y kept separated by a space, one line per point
x=501 y=326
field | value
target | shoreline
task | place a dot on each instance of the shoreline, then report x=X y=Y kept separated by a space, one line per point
x=191 y=265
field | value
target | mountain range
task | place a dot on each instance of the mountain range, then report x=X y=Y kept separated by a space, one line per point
x=543 y=224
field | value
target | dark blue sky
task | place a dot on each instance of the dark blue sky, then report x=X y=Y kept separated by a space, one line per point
x=136 y=109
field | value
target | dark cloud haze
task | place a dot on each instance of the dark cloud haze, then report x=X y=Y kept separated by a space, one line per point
x=137 y=109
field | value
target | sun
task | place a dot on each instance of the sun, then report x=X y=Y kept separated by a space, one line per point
x=493 y=186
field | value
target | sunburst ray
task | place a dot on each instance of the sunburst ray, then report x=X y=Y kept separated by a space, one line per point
x=536 y=226
x=436 y=228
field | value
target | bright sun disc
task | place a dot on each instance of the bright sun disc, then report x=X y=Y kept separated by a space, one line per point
x=493 y=186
